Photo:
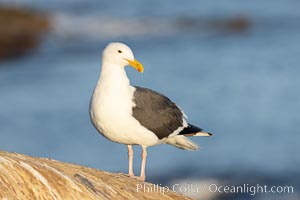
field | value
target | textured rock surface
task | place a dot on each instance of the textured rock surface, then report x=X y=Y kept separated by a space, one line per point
x=26 y=177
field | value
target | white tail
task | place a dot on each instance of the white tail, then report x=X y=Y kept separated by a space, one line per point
x=182 y=142
x=205 y=134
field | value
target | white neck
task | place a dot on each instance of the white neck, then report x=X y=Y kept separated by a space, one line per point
x=112 y=90
x=113 y=75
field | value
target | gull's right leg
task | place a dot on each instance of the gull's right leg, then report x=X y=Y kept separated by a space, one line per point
x=130 y=161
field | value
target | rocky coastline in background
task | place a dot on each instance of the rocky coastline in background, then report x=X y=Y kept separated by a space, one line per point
x=21 y=31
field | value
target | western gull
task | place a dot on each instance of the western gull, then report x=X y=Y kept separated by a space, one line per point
x=134 y=115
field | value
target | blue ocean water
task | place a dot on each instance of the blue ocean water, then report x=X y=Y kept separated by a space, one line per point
x=242 y=86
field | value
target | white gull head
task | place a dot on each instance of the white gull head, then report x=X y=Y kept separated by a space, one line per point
x=121 y=55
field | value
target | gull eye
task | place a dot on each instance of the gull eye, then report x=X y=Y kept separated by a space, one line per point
x=119 y=51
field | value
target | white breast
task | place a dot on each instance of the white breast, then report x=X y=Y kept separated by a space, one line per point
x=111 y=111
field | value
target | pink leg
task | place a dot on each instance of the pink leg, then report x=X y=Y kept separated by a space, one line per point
x=130 y=160
x=143 y=166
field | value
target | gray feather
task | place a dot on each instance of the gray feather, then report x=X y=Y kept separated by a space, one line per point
x=156 y=112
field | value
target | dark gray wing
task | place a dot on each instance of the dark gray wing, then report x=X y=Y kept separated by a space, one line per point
x=156 y=112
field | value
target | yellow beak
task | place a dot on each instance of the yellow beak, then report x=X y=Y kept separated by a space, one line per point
x=136 y=65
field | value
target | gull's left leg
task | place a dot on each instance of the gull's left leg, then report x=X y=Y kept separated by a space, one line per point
x=143 y=166
x=130 y=161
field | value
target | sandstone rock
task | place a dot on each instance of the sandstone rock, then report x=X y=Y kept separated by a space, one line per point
x=26 y=177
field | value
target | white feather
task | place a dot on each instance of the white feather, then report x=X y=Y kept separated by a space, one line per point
x=111 y=106
x=182 y=142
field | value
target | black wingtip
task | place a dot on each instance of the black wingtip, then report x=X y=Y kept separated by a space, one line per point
x=209 y=134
